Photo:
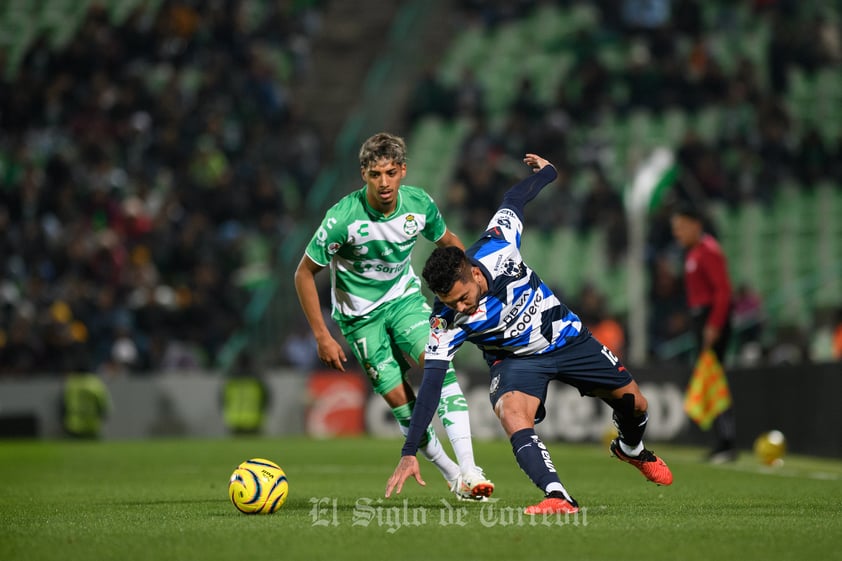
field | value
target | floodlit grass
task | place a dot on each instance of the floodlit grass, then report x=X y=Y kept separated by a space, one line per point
x=166 y=499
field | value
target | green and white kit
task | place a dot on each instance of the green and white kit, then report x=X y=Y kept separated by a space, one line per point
x=376 y=297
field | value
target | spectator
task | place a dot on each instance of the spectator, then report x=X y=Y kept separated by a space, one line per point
x=124 y=158
x=669 y=318
x=430 y=97
x=603 y=326
x=812 y=158
x=86 y=401
x=470 y=96
x=245 y=397
x=602 y=209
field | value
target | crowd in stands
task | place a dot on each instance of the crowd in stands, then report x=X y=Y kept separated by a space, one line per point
x=670 y=64
x=150 y=167
x=148 y=171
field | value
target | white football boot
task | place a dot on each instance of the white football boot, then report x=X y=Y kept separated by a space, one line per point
x=471 y=486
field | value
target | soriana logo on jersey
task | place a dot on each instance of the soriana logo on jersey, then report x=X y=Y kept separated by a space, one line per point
x=410 y=226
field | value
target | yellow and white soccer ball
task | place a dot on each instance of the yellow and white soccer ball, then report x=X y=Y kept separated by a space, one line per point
x=258 y=486
x=770 y=448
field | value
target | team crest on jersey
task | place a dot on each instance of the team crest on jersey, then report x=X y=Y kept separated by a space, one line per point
x=333 y=247
x=410 y=226
x=495 y=384
x=438 y=324
x=371 y=371
x=510 y=268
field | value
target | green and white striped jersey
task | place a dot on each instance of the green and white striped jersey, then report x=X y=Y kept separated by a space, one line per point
x=368 y=253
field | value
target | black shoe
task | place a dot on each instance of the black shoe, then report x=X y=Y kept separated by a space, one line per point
x=560 y=495
x=722 y=454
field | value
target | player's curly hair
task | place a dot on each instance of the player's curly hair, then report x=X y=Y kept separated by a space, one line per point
x=444 y=267
x=382 y=146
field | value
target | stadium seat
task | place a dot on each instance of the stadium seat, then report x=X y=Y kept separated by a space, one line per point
x=547 y=25
x=466 y=52
x=707 y=123
x=674 y=126
x=17 y=31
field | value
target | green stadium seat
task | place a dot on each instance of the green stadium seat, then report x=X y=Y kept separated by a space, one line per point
x=708 y=123
x=564 y=250
x=547 y=25
x=466 y=52
x=595 y=264
x=829 y=250
x=549 y=70
x=616 y=289
x=613 y=55
x=675 y=122
x=584 y=16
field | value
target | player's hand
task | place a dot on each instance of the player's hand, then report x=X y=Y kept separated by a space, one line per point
x=710 y=335
x=331 y=353
x=406 y=467
x=536 y=162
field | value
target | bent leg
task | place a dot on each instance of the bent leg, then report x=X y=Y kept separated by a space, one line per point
x=516 y=411
x=630 y=415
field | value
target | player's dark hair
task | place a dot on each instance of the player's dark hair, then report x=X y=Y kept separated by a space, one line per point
x=444 y=267
x=382 y=146
x=694 y=212
x=688 y=210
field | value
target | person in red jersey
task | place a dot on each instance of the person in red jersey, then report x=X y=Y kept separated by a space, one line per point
x=709 y=297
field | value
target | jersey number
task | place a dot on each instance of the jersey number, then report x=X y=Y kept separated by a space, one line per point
x=612 y=358
x=361 y=347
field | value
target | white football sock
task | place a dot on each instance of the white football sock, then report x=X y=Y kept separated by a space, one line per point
x=554 y=486
x=629 y=451
x=453 y=412
x=433 y=450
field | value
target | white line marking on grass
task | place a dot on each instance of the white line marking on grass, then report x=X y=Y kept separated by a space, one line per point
x=821 y=475
x=336 y=468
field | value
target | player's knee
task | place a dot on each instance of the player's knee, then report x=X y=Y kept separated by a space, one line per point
x=399 y=395
x=640 y=405
x=630 y=405
x=515 y=412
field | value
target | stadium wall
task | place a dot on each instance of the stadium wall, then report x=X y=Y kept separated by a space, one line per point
x=800 y=402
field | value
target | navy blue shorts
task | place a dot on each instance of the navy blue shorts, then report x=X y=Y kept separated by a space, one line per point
x=583 y=362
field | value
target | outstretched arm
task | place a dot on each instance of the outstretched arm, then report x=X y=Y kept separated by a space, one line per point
x=329 y=349
x=536 y=162
x=526 y=190
x=426 y=404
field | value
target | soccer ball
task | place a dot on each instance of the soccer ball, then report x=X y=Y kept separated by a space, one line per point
x=770 y=448
x=258 y=486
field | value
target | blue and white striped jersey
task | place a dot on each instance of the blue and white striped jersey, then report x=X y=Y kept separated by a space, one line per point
x=519 y=316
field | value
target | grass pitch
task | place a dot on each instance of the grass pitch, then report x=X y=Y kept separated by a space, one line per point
x=167 y=500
